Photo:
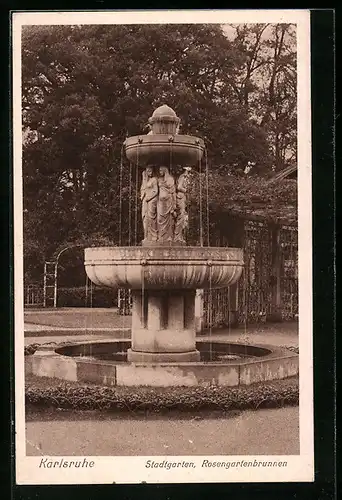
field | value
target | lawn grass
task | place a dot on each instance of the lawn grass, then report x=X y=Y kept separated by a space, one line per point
x=110 y=318
x=86 y=319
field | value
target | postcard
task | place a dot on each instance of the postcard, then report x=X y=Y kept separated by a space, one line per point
x=163 y=247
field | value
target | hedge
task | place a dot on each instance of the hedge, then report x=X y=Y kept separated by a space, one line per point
x=77 y=297
x=30 y=349
x=160 y=400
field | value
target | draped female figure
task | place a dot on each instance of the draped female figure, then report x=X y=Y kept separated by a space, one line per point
x=182 y=215
x=149 y=198
x=166 y=205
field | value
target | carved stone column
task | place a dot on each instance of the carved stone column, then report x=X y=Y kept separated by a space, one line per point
x=168 y=331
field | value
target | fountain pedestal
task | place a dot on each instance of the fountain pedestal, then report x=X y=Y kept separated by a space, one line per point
x=163 y=323
x=163 y=281
x=164 y=273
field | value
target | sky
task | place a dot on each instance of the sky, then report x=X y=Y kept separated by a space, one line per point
x=228 y=30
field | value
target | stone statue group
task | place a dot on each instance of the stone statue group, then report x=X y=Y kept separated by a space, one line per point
x=164 y=214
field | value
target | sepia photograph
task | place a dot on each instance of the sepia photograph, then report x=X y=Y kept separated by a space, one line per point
x=163 y=289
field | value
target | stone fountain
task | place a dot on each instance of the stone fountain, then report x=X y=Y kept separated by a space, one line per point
x=164 y=273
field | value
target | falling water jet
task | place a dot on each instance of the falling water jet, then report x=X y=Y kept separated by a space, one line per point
x=229 y=312
x=86 y=291
x=200 y=199
x=142 y=311
x=207 y=194
x=171 y=159
x=91 y=313
x=85 y=318
x=120 y=194
x=210 y=311
x=130 y=205
x=136 y=201
x=163 y=272
x=172 y=270
x=245 y=305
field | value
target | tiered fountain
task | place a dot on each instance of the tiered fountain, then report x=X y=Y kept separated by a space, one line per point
x=163 y=273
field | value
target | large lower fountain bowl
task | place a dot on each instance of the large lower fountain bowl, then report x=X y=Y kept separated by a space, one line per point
x=163 y=268
x=163 y=149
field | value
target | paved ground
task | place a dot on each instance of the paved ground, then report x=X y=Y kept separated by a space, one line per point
x=249 y=433
x=80 y=324
x=263 y=432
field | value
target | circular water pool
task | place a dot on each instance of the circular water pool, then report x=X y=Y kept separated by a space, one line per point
x=116 y=351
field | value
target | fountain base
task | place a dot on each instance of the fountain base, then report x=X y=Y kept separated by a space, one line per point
x=163 y=326
x=163 y=281
x=162 y=357
x=221 y=364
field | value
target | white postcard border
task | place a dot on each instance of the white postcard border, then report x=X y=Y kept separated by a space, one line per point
x=132 y=469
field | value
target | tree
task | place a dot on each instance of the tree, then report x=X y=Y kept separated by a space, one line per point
x=85 y=88
x=266 y=84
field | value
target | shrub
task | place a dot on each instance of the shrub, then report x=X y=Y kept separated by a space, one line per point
x=162 y=400
x=77 y=297
x=30 y=349
x=292 y=348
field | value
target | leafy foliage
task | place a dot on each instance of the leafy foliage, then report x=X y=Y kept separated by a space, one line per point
x=85 y=88
x=79 y=297
x=155 y=400
x=254 y=195
x=266 y=84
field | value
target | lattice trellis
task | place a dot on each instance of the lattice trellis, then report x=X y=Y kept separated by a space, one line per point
x=216 y=303
x=254 y=289
x=217 y=307
x=33 y=295
x=254 y=292
x=289 y=272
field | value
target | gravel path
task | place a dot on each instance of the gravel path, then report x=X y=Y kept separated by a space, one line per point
x=262 y=432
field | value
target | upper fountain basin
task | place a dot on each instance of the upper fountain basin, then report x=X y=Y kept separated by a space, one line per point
x=163 y=149
x=163 y=267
